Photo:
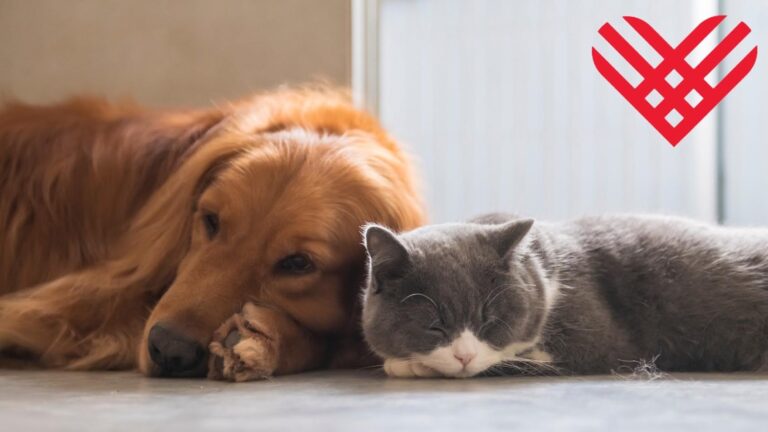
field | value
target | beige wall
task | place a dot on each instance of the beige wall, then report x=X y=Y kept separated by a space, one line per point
x=169 y=52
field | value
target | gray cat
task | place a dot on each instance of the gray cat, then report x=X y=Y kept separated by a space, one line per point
x=587 y=296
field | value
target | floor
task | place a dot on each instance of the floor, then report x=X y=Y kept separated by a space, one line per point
x=366 y=401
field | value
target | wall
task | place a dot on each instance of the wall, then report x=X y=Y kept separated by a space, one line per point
x=745 y=182
x=169 y=52
x=502 y=105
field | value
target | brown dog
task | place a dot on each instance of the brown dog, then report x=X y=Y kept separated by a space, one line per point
x=129 y=236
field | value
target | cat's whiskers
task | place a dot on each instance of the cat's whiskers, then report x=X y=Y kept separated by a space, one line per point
x=506 y=324
x=377 y=366
x=500 y=367
x=519 y=363
x=487 y=323
x=495 y=293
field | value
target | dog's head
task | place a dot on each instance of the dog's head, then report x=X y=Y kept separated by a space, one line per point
x=271 y=217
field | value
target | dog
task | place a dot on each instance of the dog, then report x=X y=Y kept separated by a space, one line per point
x=130 y=235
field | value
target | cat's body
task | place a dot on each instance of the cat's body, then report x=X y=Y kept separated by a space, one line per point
x=593 y=295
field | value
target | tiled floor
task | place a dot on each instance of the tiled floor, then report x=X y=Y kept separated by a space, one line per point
x=365 y=401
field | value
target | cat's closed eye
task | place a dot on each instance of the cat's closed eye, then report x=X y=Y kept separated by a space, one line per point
x=488 y=325
x=437 y=329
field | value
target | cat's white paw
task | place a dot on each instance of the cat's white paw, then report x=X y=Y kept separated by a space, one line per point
x=422 y=371
x=399 y=368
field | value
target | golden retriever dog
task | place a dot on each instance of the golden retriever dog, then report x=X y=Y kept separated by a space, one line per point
x=128 y=236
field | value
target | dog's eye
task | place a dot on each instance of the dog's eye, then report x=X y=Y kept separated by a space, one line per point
x=211 y=224
x=295 y=264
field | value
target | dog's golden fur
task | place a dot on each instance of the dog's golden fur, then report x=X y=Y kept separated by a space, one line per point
x=100 y=209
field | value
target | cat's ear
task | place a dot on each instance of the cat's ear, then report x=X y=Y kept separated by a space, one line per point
x=507 y=236
x=388 y=255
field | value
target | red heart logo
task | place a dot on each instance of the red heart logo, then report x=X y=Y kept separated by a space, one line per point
x=692 y=82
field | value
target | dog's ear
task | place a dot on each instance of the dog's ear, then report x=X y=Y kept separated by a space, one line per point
x=159 y=235
x=92 y=318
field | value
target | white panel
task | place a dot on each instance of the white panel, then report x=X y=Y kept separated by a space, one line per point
x=745 y=125
x=505 y=111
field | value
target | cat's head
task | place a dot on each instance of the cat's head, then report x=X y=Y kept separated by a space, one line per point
x=458 y=298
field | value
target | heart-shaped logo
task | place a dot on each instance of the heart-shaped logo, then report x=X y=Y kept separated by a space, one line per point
x=687 y=98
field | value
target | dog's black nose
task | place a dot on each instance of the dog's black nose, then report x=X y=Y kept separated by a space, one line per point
x=175 y=354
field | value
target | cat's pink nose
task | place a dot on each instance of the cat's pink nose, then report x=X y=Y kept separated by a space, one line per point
x=464 y=358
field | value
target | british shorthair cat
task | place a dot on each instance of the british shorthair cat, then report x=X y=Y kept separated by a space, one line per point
x=501 y=294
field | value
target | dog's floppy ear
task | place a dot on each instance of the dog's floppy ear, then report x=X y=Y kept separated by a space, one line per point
x=93 y=317
x=163 y=224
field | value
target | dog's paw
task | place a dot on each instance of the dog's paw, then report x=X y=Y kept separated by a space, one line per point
x=399 y=368
x=244 y=348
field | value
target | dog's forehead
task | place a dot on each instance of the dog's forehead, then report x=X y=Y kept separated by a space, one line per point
x=277 y=192
x=298 y=182
x=289 y=156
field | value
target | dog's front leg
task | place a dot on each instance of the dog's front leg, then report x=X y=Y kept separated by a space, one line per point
x=83 y=320
x=260 y=342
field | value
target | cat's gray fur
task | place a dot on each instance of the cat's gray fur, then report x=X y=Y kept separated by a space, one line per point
x=692 y=296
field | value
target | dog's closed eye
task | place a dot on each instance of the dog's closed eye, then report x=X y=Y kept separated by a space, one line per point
x=295 y=264
x=211 y=224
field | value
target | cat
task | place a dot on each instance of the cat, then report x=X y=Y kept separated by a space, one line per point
x=594 y=295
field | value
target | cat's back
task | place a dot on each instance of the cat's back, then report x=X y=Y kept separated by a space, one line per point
x=694 y=293
x=658 y=236
x=656 y=253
